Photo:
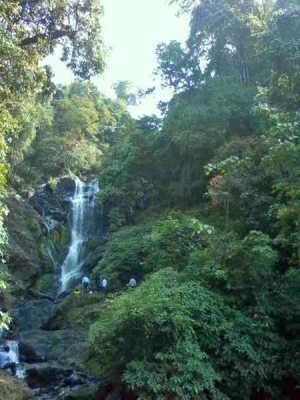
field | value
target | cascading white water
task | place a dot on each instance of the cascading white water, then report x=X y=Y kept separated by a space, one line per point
x=83 y=202
x=14 y=356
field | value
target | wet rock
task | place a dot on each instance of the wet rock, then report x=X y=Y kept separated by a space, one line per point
x=46 y=393
x=32 y=314
x=93 y=257
x=84 y=392
x=66 y=185
x=49 y=223
x=74 y=380
x=53 y=204
x=66 y=346
x=76 y=311
x=46 y=374
x=28 y=354
x=41 y=295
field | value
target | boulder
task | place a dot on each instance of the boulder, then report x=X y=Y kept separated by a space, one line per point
x=68 y=347
x=46 y=374
x=28 y=354
x=84 y=392
x=32 y=314
x=53 y=203
x=66 y=185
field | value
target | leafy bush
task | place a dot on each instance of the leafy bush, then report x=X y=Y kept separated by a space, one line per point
x=172 y=240
x=244 y=269
x=172 y=338
x=122 y=255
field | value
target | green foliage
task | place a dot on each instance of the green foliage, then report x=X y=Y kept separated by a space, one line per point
x=117 y=219
x=122 y=90
x=177 y=67
x=39 y=26
x=77 y=310
x=172 y=240
x=150 y=162
x=216 y=311
x=122 y=255
x=172 y=338
x=239 y=187
x=92 y=244
x=230 y=131
x=35 y=228
x=244 y=269
x=5 y=319
x=127 y=169
x=29 y=31
x=43 y=283
x=68 y=139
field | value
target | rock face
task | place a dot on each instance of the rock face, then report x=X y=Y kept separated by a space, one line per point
x=70 y=217
x=39 y=234
x=32 y=314
x=23 y=225
x=54 y=201
x=65 y=346
x=13 y=389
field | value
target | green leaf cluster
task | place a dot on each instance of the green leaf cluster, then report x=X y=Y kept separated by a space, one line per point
x=174 y=338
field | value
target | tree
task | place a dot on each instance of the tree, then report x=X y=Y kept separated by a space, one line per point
x=69 y=136
x=29 y=31
x=39 y=26
x=215 y=316
x=122 y=90
x=178 y=67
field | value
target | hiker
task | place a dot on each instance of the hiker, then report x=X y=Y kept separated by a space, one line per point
x=103 y=285
x=85 y=283
x=98 y=280
x=132 y=283
x=5 y=361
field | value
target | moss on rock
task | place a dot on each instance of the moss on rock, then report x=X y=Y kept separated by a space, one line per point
x=78 y=310
x=43 y=283
x=24 y=232
x=13 y=389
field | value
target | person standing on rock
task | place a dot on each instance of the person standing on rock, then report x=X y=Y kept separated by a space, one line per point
x=98 y=281
x=132 y=283
x=85 y=283
x=5 y=361
x=103 y=286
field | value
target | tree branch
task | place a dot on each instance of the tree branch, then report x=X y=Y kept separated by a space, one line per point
x=54 y=35
x=24 y=2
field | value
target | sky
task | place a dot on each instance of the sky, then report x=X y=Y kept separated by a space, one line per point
x=131 y=30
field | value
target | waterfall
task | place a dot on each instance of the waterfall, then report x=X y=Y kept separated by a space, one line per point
x=49 y=254
x=14 y=356
x=82 y=226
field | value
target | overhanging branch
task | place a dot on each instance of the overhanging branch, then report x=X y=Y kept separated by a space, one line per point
x=42 y=36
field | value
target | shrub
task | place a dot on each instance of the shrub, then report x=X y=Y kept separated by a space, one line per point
x=172 y=338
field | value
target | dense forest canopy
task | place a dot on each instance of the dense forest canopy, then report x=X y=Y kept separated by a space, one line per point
x=203 y=202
